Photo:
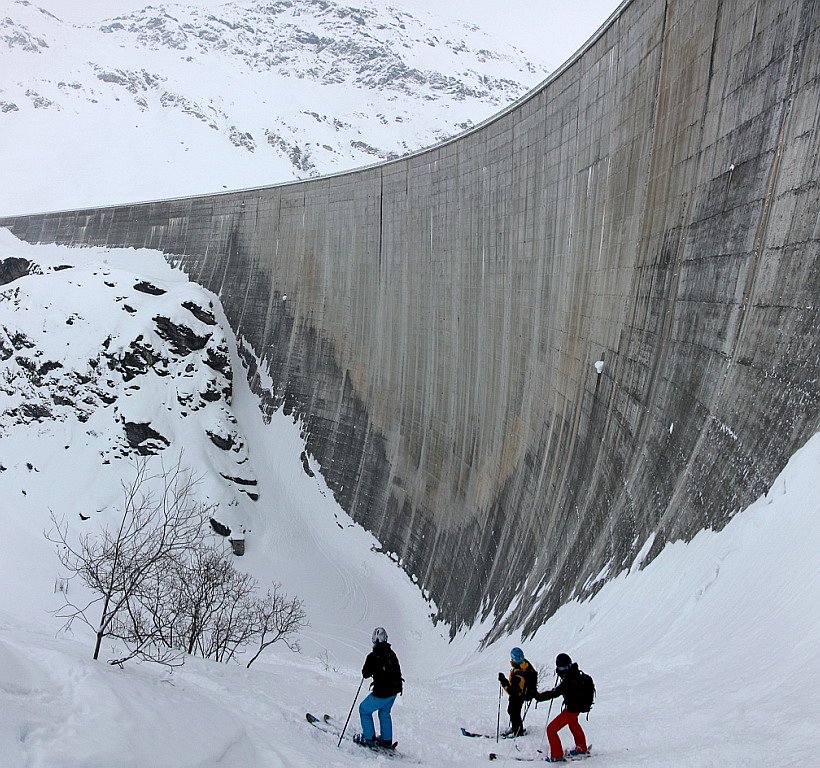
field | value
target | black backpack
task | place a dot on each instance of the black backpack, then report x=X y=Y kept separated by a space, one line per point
x=391 y=673
x=530 y=682
x=584 y=693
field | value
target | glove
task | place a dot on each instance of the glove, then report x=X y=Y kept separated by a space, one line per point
x=501 y=678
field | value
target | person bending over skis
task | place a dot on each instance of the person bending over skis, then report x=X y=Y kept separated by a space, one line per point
x=520 y=686
x=571 y=688
x=383 y=666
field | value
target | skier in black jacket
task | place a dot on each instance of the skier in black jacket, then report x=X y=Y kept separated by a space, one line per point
x=569 y=673
x=383 y=666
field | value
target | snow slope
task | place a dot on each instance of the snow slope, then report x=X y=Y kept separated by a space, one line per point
x=708 y=656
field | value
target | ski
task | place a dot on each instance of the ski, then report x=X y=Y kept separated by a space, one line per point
x=323 y=723
x=470 y=734
x=567 y=757
x=573 y=758
x=326 y=724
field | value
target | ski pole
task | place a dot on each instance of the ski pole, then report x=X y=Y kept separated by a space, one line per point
x=498 y=719
x=549 y=714
x=342 y=734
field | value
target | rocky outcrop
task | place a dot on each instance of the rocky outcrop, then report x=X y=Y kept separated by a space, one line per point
x=164 y=363
x=12 y=268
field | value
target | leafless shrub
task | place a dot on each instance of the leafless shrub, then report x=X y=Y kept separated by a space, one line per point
x=121 y=562
x=162 y=590
x=277 y=618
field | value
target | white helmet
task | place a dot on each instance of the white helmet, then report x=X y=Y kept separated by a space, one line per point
x=379 y=635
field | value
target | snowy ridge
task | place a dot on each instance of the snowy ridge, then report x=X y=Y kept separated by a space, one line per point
x=172 y=100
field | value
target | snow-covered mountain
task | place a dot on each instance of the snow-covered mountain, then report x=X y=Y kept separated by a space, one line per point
x=173 y=99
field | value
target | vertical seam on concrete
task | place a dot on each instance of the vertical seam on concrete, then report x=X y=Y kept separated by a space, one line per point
x=711 y=74
x=381 y=217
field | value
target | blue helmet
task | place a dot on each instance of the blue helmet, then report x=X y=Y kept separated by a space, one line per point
x=516 y=655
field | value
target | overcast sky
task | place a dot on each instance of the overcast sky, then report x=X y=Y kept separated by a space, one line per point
x=546 y=30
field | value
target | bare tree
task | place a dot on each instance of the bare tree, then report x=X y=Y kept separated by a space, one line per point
x=128 y=559
x=159 y=587
x=213 y=602
x=216 y=613
x=278 y=618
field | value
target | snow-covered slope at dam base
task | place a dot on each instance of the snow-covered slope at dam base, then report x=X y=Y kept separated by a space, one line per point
x=707 y=656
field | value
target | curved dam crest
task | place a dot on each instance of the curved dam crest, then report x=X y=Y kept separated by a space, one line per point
x=435 y=320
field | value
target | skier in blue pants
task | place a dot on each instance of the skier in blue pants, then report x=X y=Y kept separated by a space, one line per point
x=383 y=666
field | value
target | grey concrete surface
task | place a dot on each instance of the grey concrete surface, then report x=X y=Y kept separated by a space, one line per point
x=435 y=321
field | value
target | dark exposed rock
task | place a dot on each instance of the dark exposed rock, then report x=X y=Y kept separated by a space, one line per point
x=181 y=338
x=20 y=341
x=211 y=395
x=203 y=315
x=135 y=361
x=13 y=268
x=222 y=530
x=34 y=411
x=219 y=361
x=6 y=350
x=225 y=443
x=39 y=101
x=306 y=464
x=48 y=366
x=145 y=287
x=241 y=139
x=239 y=480
x=27 y=363
x=141 y=436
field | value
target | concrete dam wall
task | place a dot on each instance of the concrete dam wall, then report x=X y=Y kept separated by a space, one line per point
x=435 y=320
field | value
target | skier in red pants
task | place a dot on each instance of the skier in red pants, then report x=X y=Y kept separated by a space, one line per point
x=572 y=688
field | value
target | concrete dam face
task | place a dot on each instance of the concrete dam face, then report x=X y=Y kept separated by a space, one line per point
x=435 y=321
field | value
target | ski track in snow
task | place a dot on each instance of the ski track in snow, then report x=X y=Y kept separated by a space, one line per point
x=707 y=657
